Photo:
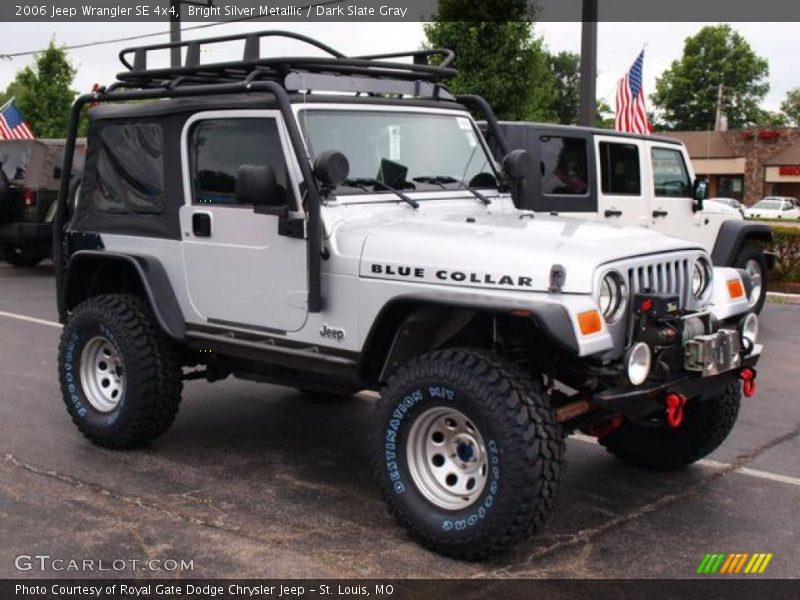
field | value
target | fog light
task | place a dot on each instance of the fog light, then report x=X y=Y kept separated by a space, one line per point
x=748 y=329
x=637 y=362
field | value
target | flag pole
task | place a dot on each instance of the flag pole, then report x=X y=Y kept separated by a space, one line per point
x=588 y=68
x=6 y=105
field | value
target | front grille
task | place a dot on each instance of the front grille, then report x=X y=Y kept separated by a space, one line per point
x=666 y=277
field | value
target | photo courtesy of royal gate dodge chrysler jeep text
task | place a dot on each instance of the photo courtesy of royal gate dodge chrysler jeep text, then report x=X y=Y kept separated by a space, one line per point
x=333 y=241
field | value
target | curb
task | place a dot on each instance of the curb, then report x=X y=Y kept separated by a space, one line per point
x=783 y=298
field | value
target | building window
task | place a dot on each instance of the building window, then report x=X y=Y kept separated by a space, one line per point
x=730 y=186
x=619 y=169
x=564 y=166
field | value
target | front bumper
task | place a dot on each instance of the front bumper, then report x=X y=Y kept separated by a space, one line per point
x=644 y=400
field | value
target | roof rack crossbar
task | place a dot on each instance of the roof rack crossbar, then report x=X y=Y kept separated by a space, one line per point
x=420 y=57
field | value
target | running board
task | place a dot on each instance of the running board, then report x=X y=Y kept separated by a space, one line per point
x=310 y=358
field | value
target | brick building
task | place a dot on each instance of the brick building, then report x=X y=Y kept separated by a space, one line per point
x=746 y=164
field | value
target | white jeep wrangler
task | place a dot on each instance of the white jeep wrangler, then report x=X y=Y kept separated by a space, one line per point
x=241 y=224
x=628 y=180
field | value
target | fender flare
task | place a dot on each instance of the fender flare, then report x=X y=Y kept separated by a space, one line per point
x=380 y=345
x=152 y=277
x=732 y=235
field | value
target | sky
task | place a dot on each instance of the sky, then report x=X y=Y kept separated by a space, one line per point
x=618 y=46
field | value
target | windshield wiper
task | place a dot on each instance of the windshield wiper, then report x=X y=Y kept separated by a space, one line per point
x=442 y=180
x=362 y=182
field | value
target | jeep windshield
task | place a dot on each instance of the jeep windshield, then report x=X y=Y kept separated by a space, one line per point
x=409 y=151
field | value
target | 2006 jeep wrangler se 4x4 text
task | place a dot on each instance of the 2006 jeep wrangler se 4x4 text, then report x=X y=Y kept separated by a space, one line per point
x=337 y=224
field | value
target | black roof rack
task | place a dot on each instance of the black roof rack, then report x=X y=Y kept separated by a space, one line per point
x=333 y=71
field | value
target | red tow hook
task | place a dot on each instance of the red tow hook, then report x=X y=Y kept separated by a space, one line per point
x=675 y=403
x=748 y=377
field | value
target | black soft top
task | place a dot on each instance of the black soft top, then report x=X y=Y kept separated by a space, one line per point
x=165 y=107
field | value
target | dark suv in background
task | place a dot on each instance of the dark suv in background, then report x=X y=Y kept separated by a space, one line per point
x=30 y=172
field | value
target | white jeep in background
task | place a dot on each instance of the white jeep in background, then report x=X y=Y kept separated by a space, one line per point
x=624 y=179
x=232 y=222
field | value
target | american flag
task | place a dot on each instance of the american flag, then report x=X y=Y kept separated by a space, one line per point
x=631 y=111
x=12 y=125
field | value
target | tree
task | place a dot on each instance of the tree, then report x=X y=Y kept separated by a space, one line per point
x=500 y=60
x=791 y=106
x=768 y=118
x=566 y=81
x=604 y=116
x=686 y=93
x=43 y=92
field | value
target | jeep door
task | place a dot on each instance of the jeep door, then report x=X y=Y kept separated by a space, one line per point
x=622 y=196
x=243 y=268
x=670 y=186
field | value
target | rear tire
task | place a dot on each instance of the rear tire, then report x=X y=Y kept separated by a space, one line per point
x=751 y=259
x=23 y=256
x=705 y=426
x=120 y=376
x=486 y=479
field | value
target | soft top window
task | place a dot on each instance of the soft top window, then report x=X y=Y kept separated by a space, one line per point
x=563 y=165
x=129 y=173
x=14 y=159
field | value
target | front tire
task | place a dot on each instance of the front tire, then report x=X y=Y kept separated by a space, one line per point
x=468 y=452
x=751 y=259
x=120 y=376
x=705 y=426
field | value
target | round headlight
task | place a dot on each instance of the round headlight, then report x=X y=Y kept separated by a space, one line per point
x=637 y=363
x=701 y=277
x=613 y=296
x=748 y=329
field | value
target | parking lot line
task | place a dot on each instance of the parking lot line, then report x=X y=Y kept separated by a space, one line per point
x=714 y=464
x=29 y=319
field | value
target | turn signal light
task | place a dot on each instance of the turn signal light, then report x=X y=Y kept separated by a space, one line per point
x=735 y=288
x=590 y=322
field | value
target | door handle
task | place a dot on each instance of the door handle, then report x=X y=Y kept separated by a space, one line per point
x=201 y=224
x=613 y=213
x=659 y=213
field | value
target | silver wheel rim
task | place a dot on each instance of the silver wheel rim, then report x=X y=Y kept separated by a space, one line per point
x=753 y=269
x=102 y=375
x=447 y=458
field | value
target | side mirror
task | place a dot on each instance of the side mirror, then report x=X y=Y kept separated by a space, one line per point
x=257 y=185
x=519 y=168
x=331 y=169
x=699 y=193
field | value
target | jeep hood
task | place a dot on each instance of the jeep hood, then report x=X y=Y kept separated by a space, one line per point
x=504 y=249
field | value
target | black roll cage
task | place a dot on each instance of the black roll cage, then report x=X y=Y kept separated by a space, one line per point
x=371 y=75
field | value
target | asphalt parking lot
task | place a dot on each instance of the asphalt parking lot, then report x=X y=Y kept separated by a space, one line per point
x=261 y=481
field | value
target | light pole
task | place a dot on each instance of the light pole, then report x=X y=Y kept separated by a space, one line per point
x=175 y=27
x=588 y=80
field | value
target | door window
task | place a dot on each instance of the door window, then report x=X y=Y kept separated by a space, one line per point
x=619 y=169
x=670 y=177
x=563 y=163
x=218 y=147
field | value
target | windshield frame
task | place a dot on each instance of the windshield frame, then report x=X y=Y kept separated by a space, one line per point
x=386 y=195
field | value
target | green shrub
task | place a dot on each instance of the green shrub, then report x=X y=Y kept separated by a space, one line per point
x=786 y=244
